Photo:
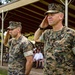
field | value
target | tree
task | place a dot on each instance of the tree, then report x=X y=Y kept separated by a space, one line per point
x=0 y=3
x=5 y=1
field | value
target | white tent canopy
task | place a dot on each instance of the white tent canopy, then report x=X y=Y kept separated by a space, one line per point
x=15 y=4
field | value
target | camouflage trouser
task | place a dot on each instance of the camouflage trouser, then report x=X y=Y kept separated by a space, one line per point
x=60 y=71
x=58 y=74
x=15 y=72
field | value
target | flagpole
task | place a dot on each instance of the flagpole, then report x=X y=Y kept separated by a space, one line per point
x=66 y=12
x=66 y=3
x=2 y=38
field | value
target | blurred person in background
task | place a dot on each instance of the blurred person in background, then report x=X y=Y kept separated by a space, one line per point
x=20 y=50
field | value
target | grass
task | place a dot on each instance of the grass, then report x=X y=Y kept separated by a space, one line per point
x=3 y=72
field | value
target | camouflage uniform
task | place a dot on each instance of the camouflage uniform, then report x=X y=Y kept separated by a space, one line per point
x=19 y=49
x=59 y=49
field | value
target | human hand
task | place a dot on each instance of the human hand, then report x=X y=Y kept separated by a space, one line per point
x=44 y=22
x=8 y=35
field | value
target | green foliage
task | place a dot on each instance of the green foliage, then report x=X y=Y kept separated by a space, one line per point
x=7 y=1
x=0 y=3
x=3 y=72
x=31 y=37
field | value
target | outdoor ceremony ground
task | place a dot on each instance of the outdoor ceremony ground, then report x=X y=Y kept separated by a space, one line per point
x=33 y=71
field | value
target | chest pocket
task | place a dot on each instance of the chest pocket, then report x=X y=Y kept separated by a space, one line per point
x=15 y=50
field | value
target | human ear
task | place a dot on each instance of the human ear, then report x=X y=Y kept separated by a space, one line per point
x=18 y=29
x=61 y=16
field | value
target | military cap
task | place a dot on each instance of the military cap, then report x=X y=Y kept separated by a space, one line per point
x=14 y=24
x=55 y=8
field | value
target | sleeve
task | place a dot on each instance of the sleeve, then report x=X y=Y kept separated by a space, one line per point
x=42 y=37
x=9 y=43
x=27 y=48
x=41 y=55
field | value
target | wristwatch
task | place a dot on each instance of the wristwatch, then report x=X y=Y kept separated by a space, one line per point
x=42 y=28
